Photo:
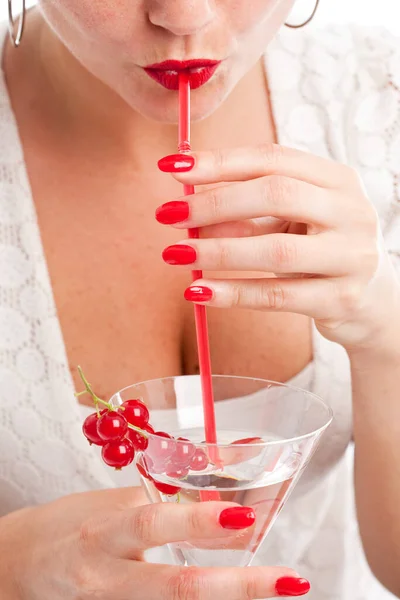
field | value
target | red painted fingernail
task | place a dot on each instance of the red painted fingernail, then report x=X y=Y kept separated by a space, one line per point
x=172 y=212
x=179 y=254
x=198 y=293
x=237 y=517
x=292 y=586
x=176 y=163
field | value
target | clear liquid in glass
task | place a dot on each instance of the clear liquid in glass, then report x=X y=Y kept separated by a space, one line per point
x=259 y=481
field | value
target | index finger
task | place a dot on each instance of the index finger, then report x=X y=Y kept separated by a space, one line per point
x=242 y=164
x=196 y=583
x=159 y=524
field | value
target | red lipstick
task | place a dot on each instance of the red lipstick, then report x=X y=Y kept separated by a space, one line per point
x=167 y=73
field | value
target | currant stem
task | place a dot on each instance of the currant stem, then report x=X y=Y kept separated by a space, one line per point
x=98 y=401
x=89 y=390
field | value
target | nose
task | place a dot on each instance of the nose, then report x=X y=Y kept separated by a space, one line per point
x=181 y=17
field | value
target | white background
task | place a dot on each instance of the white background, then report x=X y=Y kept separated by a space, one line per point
x=369 y=12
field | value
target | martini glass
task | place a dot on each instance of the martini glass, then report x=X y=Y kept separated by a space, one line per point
x=267 y=433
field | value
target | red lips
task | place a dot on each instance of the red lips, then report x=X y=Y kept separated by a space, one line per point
x=198 y=71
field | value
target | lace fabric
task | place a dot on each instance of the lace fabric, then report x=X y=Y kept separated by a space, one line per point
x=335 y=93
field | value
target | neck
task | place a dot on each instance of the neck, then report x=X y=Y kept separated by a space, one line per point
x=71 y=100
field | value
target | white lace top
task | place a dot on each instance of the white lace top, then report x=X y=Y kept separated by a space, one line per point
x=335 y=93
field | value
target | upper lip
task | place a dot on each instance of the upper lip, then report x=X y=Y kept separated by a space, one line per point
x=181 y=65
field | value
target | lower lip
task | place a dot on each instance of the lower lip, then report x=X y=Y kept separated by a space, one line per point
x=170 y=79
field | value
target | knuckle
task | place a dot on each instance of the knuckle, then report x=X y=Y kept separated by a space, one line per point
x=272 y=296
x=195 y=523
x=88 y=533
x=371 y=220
x=186 y=584
x=279 y=190
x=222 y=255
x=237 y=298
x=282 y=254
x=370 y=259
x=213 y=202
x=365 y=217
x=351 y=177
x=87 y=583
x=249 y=586
x=145 y=523
x=366 y=255
x=271 y=156
x=219 y=157
x=349 y=294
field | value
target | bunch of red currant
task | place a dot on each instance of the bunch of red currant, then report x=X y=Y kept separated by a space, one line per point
x=172 y=457
x=124 y=430
x=110 y=428
x=120 y=431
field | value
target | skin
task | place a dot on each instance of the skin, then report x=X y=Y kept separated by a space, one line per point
x=102 y=544
x=84 y=106
x=64 y=131
x=114 y=39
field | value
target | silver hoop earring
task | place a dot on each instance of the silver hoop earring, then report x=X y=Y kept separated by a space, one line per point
x=16 y=39
x=308 y=20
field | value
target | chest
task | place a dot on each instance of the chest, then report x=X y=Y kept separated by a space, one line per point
x=121 y=309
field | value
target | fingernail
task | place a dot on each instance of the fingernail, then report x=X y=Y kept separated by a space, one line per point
x=179 y=254
x=237 y=517
x=176 y=163
x=292 y=586
x=198 y=293
x=172 y=212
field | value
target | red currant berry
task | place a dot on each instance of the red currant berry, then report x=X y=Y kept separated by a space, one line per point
x=159 y=467
x=184 y=452
x=136 y=413
x=161 y=447
x=118 y=454
x=139 y=441
x=143 y=472
x=175 y=471
x=89 y=429
x=112 y=426
x=199 y=461
x=165 y=488
x=148 y=428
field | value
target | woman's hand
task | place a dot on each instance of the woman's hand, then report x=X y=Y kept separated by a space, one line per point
x=301 y=217
x=91 y=545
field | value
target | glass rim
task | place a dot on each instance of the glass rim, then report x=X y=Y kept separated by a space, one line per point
x=205 y=444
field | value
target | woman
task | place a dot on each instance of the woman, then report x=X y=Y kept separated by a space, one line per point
x=297 y=166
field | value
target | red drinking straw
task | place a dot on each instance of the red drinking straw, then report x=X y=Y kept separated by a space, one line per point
x=200 y=313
